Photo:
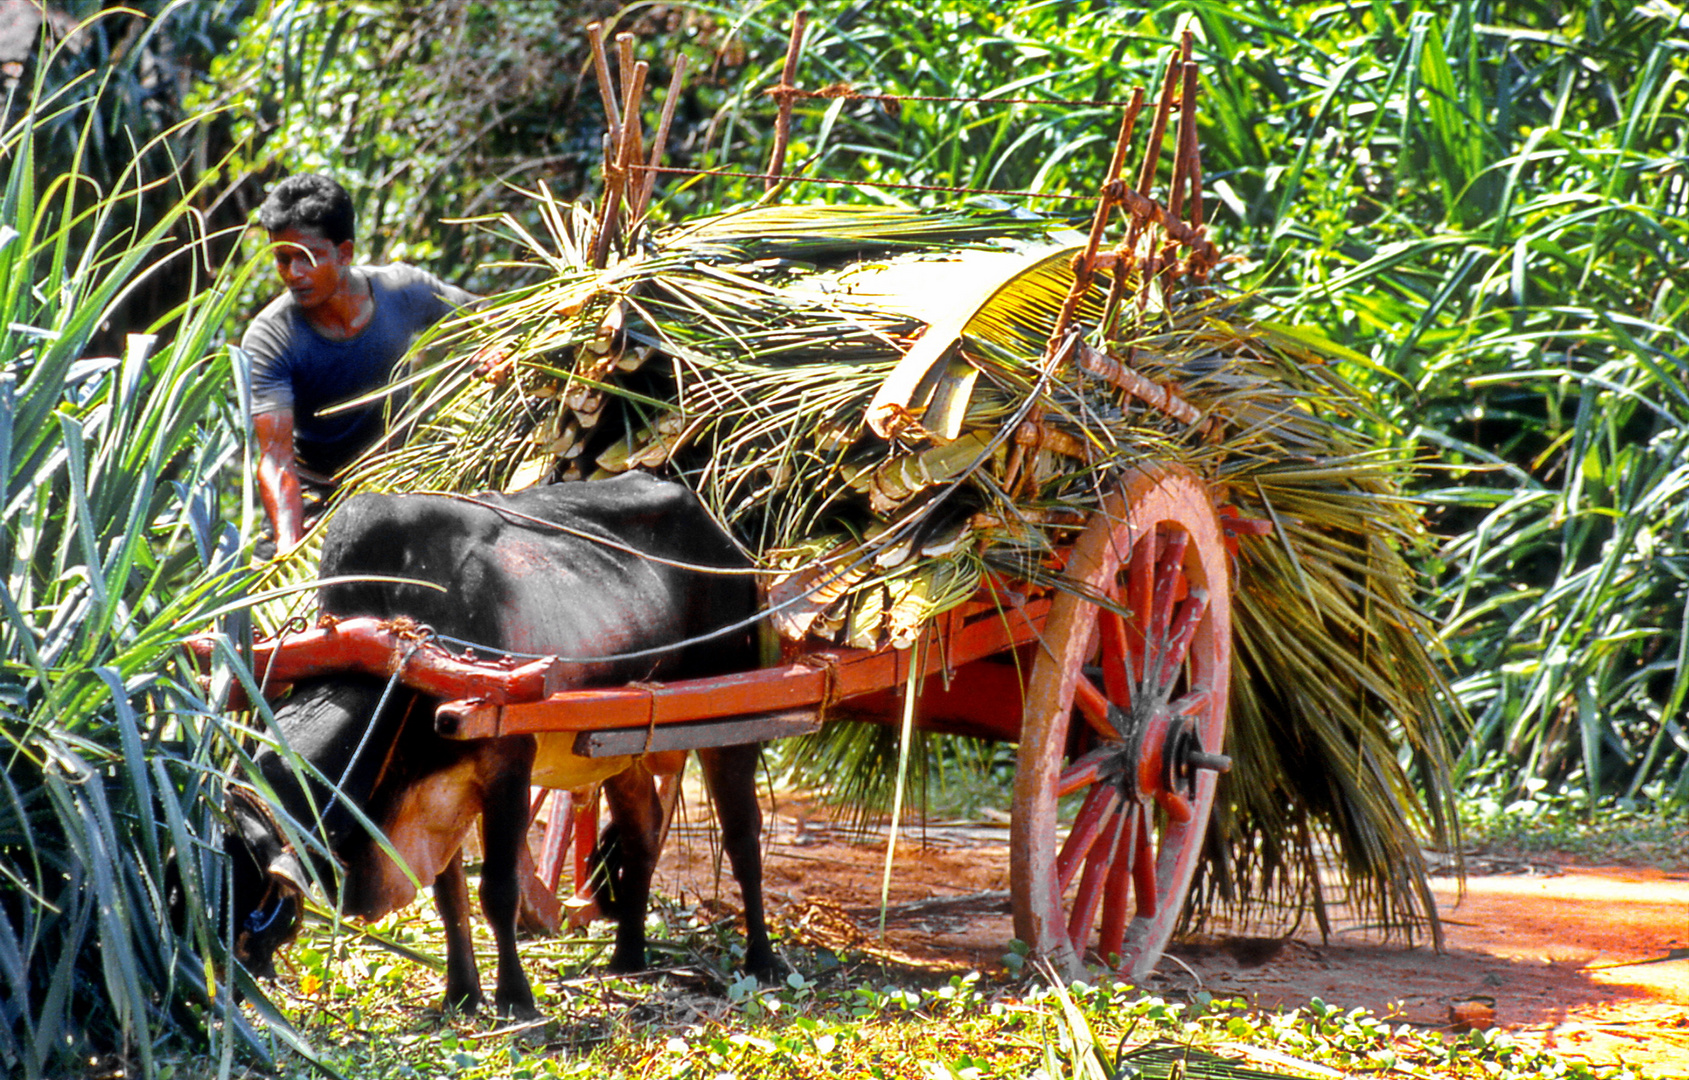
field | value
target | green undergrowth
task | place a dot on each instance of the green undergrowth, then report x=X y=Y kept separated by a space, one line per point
x=369 y=1004
x=1615 y=832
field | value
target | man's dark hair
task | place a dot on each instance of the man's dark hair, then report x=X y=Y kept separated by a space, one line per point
x=309 y=201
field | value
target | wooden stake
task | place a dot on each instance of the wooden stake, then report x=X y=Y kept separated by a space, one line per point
x=611 y=141
x=1184 y=142
x=1158 y=130
x=1194 y=169
x=783 y=124
x=1150 y=265
x=601 y=68
x=616 y=182
x=1084 y=267
x=660 y=142
x=631 y=100
x=1198 y=262
x=1117 y=275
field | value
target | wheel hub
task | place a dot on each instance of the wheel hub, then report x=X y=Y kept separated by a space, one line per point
x=1157 y=755
x=1182 y=756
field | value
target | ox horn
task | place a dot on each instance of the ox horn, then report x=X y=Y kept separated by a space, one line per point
x=288 y=868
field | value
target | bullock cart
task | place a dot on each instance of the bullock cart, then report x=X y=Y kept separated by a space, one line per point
x=1112 y=676
x=1155 y=464
x=1114 y=687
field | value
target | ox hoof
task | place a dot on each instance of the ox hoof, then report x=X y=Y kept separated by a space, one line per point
x=767 y=969
x=523 y=1012
x=462 y=1003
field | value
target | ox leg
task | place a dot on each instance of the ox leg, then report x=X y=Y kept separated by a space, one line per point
x=451 y=897
x=504 y=834
x=730 y=773
x=636 y=818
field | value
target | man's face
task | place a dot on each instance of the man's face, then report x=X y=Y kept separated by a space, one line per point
x=311 y=267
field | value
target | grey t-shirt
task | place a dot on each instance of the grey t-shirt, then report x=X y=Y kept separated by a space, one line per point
x=295 y=367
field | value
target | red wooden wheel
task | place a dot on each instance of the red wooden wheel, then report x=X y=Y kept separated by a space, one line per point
x=1130 y=710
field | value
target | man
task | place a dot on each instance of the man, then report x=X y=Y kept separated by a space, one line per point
x=336 y=335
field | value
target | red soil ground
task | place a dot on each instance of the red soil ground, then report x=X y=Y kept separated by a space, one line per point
x=1590 y=961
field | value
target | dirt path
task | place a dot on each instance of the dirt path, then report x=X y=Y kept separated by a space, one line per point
x=1591 y=961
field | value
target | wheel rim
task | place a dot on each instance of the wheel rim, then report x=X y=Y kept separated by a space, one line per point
x=1127 y=711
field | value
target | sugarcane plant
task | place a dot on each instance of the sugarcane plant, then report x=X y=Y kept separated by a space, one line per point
x=118 y=536
x=889 y=406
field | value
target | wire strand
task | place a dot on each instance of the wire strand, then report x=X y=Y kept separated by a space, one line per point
x=947 y=189
x=842 y=93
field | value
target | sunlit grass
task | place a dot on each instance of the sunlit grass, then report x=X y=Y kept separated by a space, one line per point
x=1613 y=833
x=371 y=1014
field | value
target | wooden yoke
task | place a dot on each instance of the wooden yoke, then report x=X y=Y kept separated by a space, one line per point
x=385 y=647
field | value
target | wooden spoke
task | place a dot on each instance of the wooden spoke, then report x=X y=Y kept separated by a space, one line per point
x=1112 y=886
x=1143 y=872
x=1192 y=704
x=1116 y=893
x=1090 y=769
x=1090 y=893
x=1140 y=590
x=1116 y=656
x=1185 y=622
x=1175 y=806
x=1099 y=805
x=1168 y=571
x=1093 y=706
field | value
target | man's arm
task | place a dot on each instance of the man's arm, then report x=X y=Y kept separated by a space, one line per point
x=278 y=477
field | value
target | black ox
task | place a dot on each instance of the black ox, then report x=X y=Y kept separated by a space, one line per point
x=572 y=570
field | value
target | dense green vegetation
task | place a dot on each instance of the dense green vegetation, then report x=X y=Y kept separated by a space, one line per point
x=1485 y=201
x=113 y=543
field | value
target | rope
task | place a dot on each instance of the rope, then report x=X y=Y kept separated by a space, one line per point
x=659 y=650
x=298 y=624
x=636 y=654
x=393 y=680
x=950 y=189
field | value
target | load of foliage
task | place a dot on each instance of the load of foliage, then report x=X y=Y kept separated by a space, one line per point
x=886 y=406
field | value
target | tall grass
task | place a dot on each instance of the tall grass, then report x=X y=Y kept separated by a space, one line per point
x=1525 y=221
x=1485 y=200
x=114 y=542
